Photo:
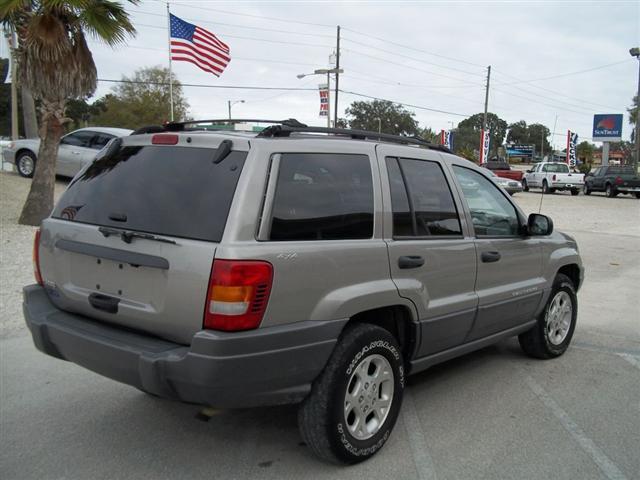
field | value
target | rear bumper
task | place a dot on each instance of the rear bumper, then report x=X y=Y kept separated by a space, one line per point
x=624 y=189
x=267 y=366
x=567 y=186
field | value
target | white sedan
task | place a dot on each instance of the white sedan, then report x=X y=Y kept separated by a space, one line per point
x=76 y=149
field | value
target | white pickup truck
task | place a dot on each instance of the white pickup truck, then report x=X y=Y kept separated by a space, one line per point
x=552 y=176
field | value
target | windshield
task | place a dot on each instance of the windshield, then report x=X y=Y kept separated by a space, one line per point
x=175 y=191
x=556 y=168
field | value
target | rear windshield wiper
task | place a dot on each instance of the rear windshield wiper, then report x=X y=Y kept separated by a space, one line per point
x=128 y=236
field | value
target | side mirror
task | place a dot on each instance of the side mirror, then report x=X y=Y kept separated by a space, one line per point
x=529 y=171
x=539 y=225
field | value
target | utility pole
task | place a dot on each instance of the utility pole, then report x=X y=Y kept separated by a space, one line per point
x=335 y=112
x=486 y=99
x=635 y=52
x=10 y=36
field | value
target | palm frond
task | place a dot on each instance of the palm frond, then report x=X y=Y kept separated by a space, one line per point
x=107 y=21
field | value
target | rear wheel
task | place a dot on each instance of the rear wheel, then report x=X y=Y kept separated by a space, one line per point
x=525 y=187
x=545 y=188
x=551 y=335
x=610 y=191
x=575 y=191
x=26 y=164
x=355 y=401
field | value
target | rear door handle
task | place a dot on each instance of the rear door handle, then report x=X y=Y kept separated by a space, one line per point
x=490 y=257
x=104 y=302
x=410 y=261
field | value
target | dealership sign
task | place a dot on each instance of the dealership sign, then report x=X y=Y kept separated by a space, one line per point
x=324 y=99
x=572 y=142
x=484 y=145
x=520 y=151
x=607 y=127
x=446 y=139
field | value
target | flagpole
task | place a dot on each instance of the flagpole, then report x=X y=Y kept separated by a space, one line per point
x=170 y=71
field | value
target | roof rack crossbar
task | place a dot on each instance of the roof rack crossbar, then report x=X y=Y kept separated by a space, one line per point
x=180 y=126
x=286 y=130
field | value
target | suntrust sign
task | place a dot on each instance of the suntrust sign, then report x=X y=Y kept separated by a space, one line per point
x=607 y=127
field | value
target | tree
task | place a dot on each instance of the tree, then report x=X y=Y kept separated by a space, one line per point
x=467 y=135
x=55 y=64
x=518 y=133
x=83 y=113
x=143 y=99
x=539 y=137
x=584 y=151
x=633 y=117
x=429 y=135
x=382 y=115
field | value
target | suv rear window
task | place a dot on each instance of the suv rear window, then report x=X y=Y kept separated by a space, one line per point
x=175 y=191
x=323 y=196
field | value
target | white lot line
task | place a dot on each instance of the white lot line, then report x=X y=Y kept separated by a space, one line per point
x=632 y=359
x=606 y=466
x=417 y=442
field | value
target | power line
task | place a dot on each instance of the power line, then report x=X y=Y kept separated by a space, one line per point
x=556 y=92
x=396 y=54
x=404 y=104
x=413 y=48
x=261 y=17
x=384 y=60
x=202 y=85
x=538 y=102
x=569 y=73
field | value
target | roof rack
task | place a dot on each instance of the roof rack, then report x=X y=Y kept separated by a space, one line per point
x=284 y=130
x=181 y=126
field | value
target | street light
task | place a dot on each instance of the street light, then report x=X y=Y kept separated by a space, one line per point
x=327 y=72
x=635 y=52
x=231 y=104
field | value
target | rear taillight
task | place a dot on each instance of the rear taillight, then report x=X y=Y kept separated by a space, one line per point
x=554 y=178
x=36 y=257
x=238 y=294
x=619 y=180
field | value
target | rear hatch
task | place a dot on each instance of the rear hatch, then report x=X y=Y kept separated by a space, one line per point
x=132 y=240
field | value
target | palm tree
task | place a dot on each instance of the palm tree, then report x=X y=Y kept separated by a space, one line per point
x=55 y=63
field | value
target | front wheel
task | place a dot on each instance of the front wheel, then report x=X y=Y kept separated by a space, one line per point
x=26 y=164
x=586 y=190
x=551 y=335
x=525 y=187
x=637 y=195
x=355 y=401
x=610 y=191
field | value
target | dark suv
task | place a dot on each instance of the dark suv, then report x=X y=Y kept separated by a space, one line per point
x=298 y=264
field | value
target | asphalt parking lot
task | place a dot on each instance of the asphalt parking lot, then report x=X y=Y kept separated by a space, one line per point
x=492 y=414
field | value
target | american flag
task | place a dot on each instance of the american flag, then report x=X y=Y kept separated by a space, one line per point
x=190 y=43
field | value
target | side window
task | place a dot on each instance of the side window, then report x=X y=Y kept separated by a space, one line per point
x=492 y=214
x=78 y=139
x=545 y=168
x=323 y=197
x=100 y=140
x=421 y=200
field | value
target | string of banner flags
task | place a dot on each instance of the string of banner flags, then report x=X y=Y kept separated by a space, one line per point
x=201 y=47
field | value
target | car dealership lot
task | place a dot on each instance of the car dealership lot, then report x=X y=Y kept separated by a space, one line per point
x=491 y=414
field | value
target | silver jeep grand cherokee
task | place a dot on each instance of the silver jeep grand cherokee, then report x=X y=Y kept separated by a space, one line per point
x=237 y=269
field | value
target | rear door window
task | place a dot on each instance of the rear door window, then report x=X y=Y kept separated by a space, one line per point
x=421 y=199
x=175 y=191
x=321 y=196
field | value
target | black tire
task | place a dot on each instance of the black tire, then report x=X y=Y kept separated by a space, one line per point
x=525 y=187
x=321 y=418
x=575 y=191
x=23 y=161
x=610 y=191
x=536 y=342
x=586 y=190
x=637 y=195
x=545 y=188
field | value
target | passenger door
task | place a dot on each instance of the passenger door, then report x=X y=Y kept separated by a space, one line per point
x=432 y=261
x=509 y=282
x=73 y=151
